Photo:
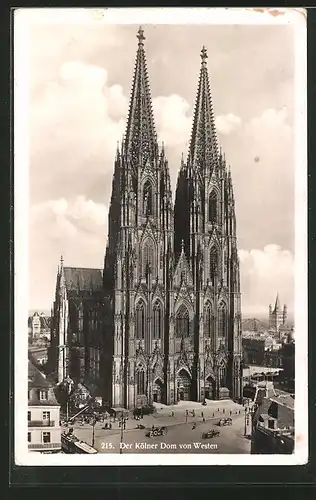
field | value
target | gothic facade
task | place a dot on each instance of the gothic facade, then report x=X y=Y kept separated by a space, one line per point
x=168 y=303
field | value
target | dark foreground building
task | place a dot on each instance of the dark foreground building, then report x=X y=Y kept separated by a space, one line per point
x=163 y=322
x=274 y=424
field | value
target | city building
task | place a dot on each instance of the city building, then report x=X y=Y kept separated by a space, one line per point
x=273 y=424
x=163 y=321
x=44 y=432
x=253 y=351
x=39 y=354
x=272 y=355
x=277 y=316
x=39 y=328
x=287 y=355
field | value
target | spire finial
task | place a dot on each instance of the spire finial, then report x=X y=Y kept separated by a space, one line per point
x=182 y=245
x=61 y=261
x=204 y=55
x=140 y=36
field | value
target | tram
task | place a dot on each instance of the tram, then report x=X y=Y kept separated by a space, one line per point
x=71 y=444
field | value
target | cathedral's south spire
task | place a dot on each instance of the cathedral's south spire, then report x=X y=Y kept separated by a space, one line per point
x=140 y=137
x=203 y=145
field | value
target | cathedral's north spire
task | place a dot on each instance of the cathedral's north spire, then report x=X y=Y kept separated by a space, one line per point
x=140 y=136
x=203 y=145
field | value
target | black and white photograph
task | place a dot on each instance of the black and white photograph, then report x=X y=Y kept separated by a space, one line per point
x=160 y=236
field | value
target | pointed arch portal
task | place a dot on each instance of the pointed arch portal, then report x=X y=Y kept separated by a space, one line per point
x=210 y=387
x=158 y=390
x=183 y=385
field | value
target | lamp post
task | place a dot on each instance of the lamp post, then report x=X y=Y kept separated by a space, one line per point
x=247 y=417
x=122 y=423
x=68 y=383
x=93 y=427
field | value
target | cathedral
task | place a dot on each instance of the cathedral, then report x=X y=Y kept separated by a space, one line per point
x=162 y=321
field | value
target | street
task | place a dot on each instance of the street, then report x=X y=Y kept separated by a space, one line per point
x=180 y=437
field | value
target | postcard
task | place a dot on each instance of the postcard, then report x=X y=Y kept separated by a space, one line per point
x=160 y=174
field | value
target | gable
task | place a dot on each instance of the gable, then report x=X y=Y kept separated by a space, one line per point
x=182 y=271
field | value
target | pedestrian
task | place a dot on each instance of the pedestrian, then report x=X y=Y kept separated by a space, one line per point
x=230 y=413
x=202 y=414
x=172 y=413
x=193 y=413
x=203 y=419
x=213 y=415
x=217 y=409
x=194 y=425
x=224 y=410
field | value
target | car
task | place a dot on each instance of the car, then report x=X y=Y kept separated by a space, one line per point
x=157 y=431
x=144 y=410
x=225 y=421
x=210 y=434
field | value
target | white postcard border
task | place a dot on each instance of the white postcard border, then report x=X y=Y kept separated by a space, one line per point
x=25 y=17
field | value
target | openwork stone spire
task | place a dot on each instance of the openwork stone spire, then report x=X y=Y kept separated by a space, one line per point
x=203 y=145
x=140 y=137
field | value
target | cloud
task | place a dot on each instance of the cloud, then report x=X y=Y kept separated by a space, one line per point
x=173 y=120
x=226 y=124
x=75 y=228
x=263 y=274
x=75 y=122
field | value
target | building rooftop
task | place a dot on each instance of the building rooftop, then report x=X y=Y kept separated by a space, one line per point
x=44 y=320
x=83 y=279
x=284 y=399
x=38 y=381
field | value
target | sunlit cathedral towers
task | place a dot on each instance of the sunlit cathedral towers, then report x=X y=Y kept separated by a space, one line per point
x=172 y=286
x=164 y=324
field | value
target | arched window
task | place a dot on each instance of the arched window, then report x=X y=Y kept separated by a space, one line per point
x=140 y=320
x=212 y=207
x=182 y=322
x=222 y=376
x=222 y=322
x=213 y=263
x=207 y=320
x=140 y=381
x=148 y=258
x=157 y=321
x=147 y=199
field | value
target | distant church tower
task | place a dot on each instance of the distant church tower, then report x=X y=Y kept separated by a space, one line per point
x=277 y=316
x=138 y=258
x=205 y=232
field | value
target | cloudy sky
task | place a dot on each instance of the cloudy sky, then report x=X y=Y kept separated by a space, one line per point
x=79 y=85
